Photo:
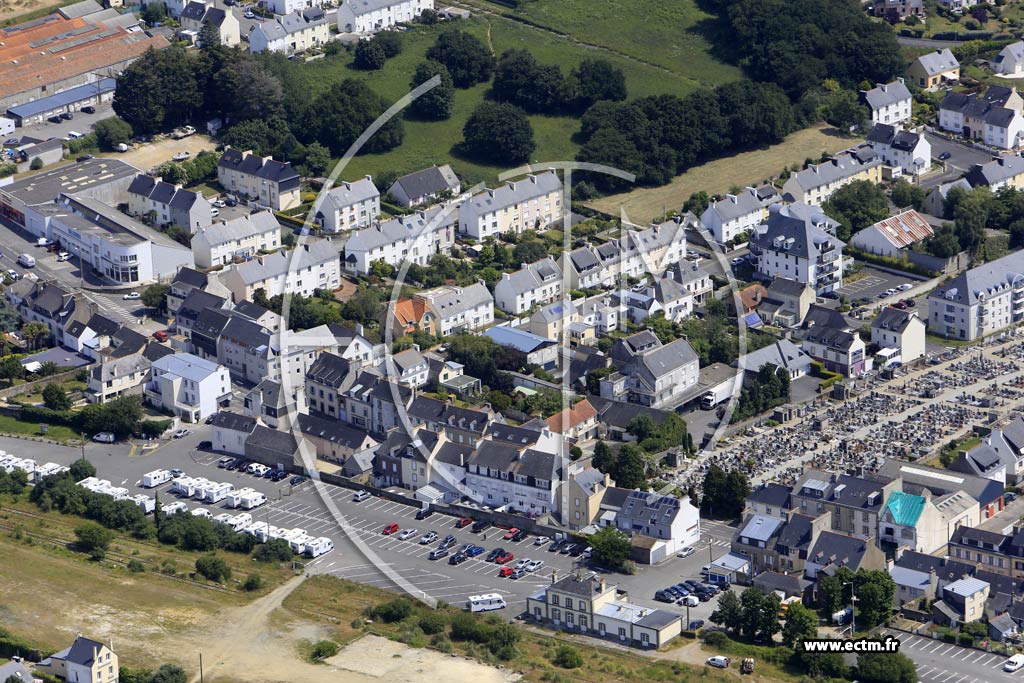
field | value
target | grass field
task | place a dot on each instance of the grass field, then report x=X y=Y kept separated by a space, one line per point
x=430 y=142
x=673 y=34
x=716 y=177
x=10 y=425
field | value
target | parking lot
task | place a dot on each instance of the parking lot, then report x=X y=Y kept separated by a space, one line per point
x=941 y=662
x=302 y=507
x=873 y=283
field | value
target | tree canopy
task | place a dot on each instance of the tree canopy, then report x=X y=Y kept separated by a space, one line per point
x=498 y=133
x=466 y=57
x=436 y=103
x=856 y=206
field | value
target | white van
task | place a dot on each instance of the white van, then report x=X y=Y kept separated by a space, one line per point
x=360 y=496
x=27 y=261
x=485 y=603
x=155 y=478
x=319 y=546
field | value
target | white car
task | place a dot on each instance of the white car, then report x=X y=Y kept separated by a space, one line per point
x=718 y=662
x=131 y=296
x=686 y=552
x=214 y=212
x=407 y=534
x=63 y=256
x=522 y=564
x=541 y=540
x=1014 y=663
x=905 y=286
x=181 y=433
x=428 y=538
x=738 y=261
x=534 y=565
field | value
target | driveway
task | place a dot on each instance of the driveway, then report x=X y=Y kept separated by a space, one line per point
x=962 y=156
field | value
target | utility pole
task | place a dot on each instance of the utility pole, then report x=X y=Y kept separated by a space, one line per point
x=853 y=608
x=200 y=667
x=83 y=447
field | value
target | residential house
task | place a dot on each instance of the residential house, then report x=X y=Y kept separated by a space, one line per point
x=907 y=150
x=223 y=242
x=253 y=353
x=786 y=303
x=650 y=373
x=349 y=206
x=307 y=268
x=994 y=552
x=854 y=502
x=426 y=186
x=278 y=450
x=1004 y=171
x=167 y=203
x=375 y=403
x=448 y=310
x=935 y=201
x=934 y=69
x=534 y=284
x=768 y=500
x=993 y=116
x=539 y=351
x=263 y=180
x=231 y=431
x=792 y=246
x=889 y=102
x=826 y=336
x=273 y=404
x=327 y=380
x=84 y=661
x=334 y=441
x=414 y=238
x=592 y=607
x=581 y=493
x=695 y=279
x=783 y=354
x=736 y=214
x=1009 y=61
x=895 y=11
x=832 y=551
x=1006 y=439
x=44 y=302
x=659 y=525
x=459 y=425
x=958 y=6
x=577 y=422
x=291 y=33
x=916 y=477
x=185 y=281
x=410 y=368
x=981 y=461
x=901 y=330
x=188 y=386
x=815 y=184
x=894 y=235
x=451 y=376
x=917 y=522
x=912 y=584
x=520 y=472
x=289 y=6
x=198 y=14
x=979 y=301
x=370 y=16
x=552 y=320
x=118 y=376
x=962 y=602
x=526 y=204
x=773 y=544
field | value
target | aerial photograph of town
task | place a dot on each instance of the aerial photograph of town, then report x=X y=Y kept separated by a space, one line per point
x=553 y=341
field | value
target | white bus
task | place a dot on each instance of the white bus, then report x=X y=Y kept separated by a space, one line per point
x=485 y=603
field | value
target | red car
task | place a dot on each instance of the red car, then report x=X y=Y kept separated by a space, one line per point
x=511 y=532
x=506 y=572
x=390 y=529
x=160 y=335
x=464 y=522
x=502 y=559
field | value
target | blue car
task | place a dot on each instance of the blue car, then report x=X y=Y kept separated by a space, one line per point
x=474 y=550
x=682 y=589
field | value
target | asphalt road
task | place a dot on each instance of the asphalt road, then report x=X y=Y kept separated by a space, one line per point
x=303 y=507
x=939 y=662
x=962 y=156
x=82 y=123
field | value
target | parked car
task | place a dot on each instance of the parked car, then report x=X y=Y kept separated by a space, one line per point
x=104 y=437
x=182 y=433
x=89 y=109
x=67 y=116
x=567 y=548
x=493 y=554
x=1014 y=663
x=447 y=542
x=510 y=533
x=161 y=335
x=131 y=296
x=830 y=295
x=63 y=256
x=718 y=662
x=479 y=526
x=944 y=156
x=390 y=529
x=407 y=534
x=464 y=522
x=504 y=558
x=696 y=624
x=910 y=303
x=297 y=479
x=474 y=550
x=438 y=553
x=457 y=558
x=664 y=596
x=177 y=472
x=690 y=601
x=428 y=538
x=505 y=572
x=84 y=157
x=181 y=156
x=541 y=540
x=224 y=462
x=423 y=513
x=517 y=574
x=534 y=565
x=905 y=286
x=54 y=119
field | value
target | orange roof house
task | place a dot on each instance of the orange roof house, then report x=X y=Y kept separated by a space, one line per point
x=577 y=422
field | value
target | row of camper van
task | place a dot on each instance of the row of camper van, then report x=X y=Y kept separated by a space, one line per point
x=9 y=463
x=145 y=503
x=205 y=490
x=300 y=542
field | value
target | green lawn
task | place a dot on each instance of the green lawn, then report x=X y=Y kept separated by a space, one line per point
x=9 y=425
x=428 y=143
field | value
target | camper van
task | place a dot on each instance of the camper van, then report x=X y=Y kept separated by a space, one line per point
x=319 y=546
x=251 y=500
x=145 y=503
x=266 y=533
x=218 y=492
x=155 y=478
x=202 y=512
x=174 y=508
x=298 y=543
x=234 y=498
x=224 y=518
x=485 y=603
x=240 y=521
x=184 y=486
x=256 y=529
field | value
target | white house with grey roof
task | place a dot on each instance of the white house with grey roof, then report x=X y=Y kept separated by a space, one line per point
x=525 y=204
x=907 y=150
x=459 y=309
x=650 y=373
x=198 y=13
x=303 y=270
x=188 y=386
x=980 y=301
x=816 y=183
x=370 y=16
x=1010 y=60
x=902 y=330
x=294 y=31
x=783 y=354
x=517 y=468
x=889 y=102
x=534 y=284
x=1007 y=441
x=794 y=244
x=426 y=186
x=166 y=203
x=239 y=238
x=737 y=213
x=349 y=205
x=670 y=523
x=992 y=116
x=415 y=238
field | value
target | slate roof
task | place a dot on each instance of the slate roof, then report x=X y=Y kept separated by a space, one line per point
x=734 y=206
x=83 y=650
x=512 y=192
x=893 y=319
x=996 y=171
x=521 y=340
x=669 y=357
x=772 y=494
x=429 y=181
x=333 y=431
x=942 y=481
x=242 y=227
x=267 y=169
x=347 y=193
x=505 y=457
x=839 y=167
x=783 y=354
x=329 y=369
x=940 y=61
x=400 y=228
x=794 y=236
x=837 y=550
x=885 y=94
x=190 y=276
x=531 y=277
x=945 y=568
x=280 y=262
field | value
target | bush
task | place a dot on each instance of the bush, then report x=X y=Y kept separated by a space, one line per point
x=276 y=550
x=433 y=622
x=36 y=163
x=567 y=657
x=323 y=650
x=213 y=568
x=136 y=566
x=253 y=582
x=392 y=611
x=466 y=627
x=715 y=639
x=93 y=539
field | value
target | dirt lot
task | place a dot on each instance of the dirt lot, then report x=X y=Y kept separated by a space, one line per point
x=716 y=177
x=15 y=8
x=147 y=156
x=373 y=658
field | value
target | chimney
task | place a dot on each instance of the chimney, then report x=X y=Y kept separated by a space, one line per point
x=359 y=329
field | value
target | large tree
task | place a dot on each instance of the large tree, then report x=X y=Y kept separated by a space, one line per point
x=111 y=132
x=155 y=296
x=599 y=79
x=247 y=91
x=436 y=103
x=498 y=133
x=801 y=624
x=467 y=58
x=55 y=398
x=857 y=206
x=885 y=667
x=520 y=80
x=729 y=612
x=159 y=91
x=342 y=113
x=610 y=547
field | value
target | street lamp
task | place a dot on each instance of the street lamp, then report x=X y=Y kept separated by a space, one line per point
x=853 y=608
